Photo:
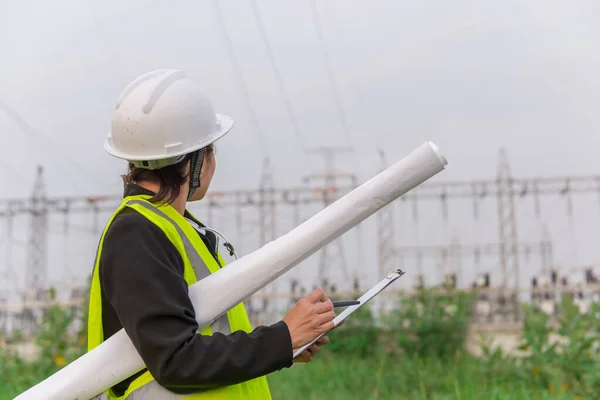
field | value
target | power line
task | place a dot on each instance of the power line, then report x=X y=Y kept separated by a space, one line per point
x=357 y=87
x=240 y=77
x=331 y=75
x=332 y=261
x=331 y=188
x=29 y=130
x=312 y=194
x=278 y=79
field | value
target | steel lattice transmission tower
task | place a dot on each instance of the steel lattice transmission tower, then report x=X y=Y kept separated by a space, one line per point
x=37 y=249
x=386 y=233
x=547 y=253
x=267 y=203
x=333 y=256
x=509 y=257
x=507 y=222
x=267 y=218
x=386 y=239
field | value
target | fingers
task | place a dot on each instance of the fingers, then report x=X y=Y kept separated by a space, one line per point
x=310 y=352
x=326 y=327
x=322 y=341
x=325 y=318
x=301 y=358
x=307 y=355
x=324 y=307
x=316 y=296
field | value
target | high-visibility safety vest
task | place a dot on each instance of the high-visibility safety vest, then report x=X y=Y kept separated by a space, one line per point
x=198 y=264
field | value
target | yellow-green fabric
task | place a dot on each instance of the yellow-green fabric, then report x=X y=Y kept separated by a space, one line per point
x=180 y=233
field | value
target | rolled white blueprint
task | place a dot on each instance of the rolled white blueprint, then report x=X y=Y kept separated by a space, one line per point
x=116 y=359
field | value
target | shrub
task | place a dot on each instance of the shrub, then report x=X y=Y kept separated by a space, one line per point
x=57 y=349
x=434 y=322
x=359 y=336
x=564 y=355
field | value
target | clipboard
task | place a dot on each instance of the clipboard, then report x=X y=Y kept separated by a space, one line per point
x=364 y=299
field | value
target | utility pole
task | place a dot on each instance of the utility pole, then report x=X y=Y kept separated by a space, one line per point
x=547 y=251
x=37 y=249
x=267 y=219
x=37 y=252
x=454 y=260
x=507 y=222
x=386 y=233
x=267 y=212
x=326 y=187
x=331 y=186
x=386 y=237
x=333 y=256
x=8 y=279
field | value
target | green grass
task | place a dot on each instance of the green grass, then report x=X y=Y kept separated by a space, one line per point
x=422 y=359
x=336 y=377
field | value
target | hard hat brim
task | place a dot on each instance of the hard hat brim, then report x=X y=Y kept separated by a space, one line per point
x=224 y=123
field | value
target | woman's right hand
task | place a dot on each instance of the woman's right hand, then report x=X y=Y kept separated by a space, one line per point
x=310 y=317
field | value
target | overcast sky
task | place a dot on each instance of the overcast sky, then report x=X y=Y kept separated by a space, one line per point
x=471 y=76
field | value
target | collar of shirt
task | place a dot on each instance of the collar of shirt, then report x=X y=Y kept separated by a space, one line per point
x=209 y=238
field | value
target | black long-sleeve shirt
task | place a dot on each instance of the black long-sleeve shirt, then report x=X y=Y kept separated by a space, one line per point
x=143 y=291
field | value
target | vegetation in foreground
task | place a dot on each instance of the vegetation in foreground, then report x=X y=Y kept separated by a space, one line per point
x=417 y=352
x=382 y=376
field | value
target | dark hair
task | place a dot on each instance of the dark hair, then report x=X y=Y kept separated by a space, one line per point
x=170 y=179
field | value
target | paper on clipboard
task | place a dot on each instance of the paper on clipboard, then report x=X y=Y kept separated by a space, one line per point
x=364 y=299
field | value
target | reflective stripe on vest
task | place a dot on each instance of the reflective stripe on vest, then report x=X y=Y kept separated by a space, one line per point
x=221 y=324
x=195 y=256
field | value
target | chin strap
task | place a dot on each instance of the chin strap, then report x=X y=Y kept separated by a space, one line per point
x=195 y=168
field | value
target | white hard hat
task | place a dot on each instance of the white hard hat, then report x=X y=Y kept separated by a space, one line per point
x=160 y=118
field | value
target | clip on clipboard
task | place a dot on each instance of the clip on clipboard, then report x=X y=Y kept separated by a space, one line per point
x=374 y=291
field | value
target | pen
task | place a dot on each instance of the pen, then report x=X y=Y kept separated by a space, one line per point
x=345 y=303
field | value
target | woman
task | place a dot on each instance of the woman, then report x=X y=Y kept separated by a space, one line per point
x=152 y=249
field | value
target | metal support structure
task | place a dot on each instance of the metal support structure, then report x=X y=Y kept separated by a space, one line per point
x=267 y=225
x=314 y=194
x=267 y=209
x=507 y=223
x=37 y=253
x=239 y=226
x=388 y=258
x=8 y=282
x=321 y=189
x=386 y=235
x=8 y=275
x=332 y=257
x=455 y=259
x=455 y=253
x=547 y=253
x=37 y=249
